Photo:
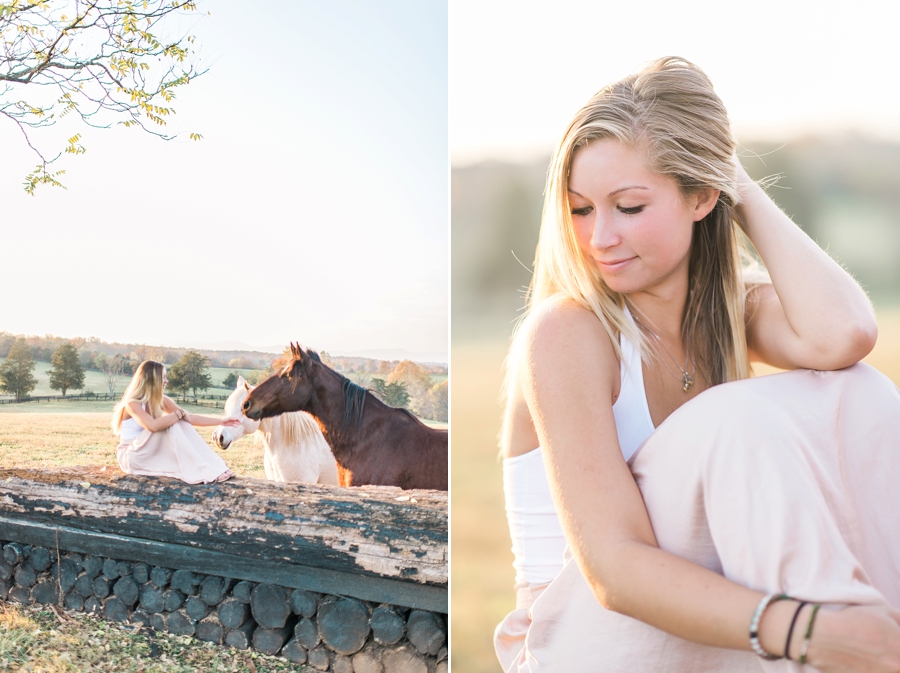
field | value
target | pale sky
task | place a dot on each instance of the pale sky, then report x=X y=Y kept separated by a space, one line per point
x=315 y=208
x=520 y=70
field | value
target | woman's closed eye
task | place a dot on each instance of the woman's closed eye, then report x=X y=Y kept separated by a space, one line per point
x=634 y=210
x=583 y=211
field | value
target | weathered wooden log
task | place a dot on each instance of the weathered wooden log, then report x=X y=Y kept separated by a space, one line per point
x=74 y=601
x=294 y=651
x=270 y=607
x=270 y=641
x=158 y=621
x=141 y=573
x=403 y=659
x=367 y=660
x=232 y=613
x=425 y=632
x=307 y=633
x=242 y=590
x=66 y=571
x=152 y=599
x=213 y=589
x=210 y=630
x=102 y=587
x=40 y=558
x=84 y=585
x=25 y=575
x=172 y=599
x=319 y=658
x=242 y=636
x=12 y=552
x=196 y=608
x=140 y=617
x=21 y=595
x=46 y=592
x=342 y=664
x=92 y=604
x=6 y=570
x=4 y=589
x=304 y=603
x=185 y=581
x=116 y=610
x=127 y=590
x=343 y=625
x=374 y=543
x=110 y=569
x=179 y=623
x=388 y=627
x=92 y=566
x=160 y=577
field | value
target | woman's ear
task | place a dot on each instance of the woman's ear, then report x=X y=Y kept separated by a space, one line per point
x=705 y=201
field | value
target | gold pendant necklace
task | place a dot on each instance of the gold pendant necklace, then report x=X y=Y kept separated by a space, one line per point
x=687 y=380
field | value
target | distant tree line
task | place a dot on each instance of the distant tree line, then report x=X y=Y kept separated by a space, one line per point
x=397 y=383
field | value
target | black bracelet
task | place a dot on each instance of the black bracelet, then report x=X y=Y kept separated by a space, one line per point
x=787 y=645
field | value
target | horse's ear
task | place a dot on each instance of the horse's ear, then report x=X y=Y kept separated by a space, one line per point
x=243 y=382
x=296 y=351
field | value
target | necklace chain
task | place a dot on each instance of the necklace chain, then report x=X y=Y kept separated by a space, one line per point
x=687 y=380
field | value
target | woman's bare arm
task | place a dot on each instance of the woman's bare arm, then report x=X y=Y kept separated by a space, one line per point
x=814 y=315
x=197 y=419
x=147 y=421
x=568 y=369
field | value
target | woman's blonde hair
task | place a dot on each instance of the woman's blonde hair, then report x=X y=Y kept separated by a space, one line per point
x=670 y=111
x=146 y=387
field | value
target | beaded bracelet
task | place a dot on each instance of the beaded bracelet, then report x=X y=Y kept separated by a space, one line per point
x=805 y=647
x=754 y=625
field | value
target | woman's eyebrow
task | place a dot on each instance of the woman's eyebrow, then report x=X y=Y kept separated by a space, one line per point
x=622 y=189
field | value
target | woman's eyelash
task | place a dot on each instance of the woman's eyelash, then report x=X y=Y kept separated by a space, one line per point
x=586 y=210
x=631 y=211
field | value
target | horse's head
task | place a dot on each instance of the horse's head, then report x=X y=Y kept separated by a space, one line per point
x=291 y=389
x=225 y=436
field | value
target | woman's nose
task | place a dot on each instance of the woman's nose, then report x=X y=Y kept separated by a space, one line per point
x=605 y=234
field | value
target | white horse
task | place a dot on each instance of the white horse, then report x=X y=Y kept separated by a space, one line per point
x=295 y=448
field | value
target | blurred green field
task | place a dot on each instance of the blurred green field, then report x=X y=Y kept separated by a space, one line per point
x=481 y=567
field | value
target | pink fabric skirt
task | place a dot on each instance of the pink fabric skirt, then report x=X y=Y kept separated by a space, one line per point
x=779 y=483
x=178 y=451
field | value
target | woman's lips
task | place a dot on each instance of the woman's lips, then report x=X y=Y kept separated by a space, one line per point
x=615 y=265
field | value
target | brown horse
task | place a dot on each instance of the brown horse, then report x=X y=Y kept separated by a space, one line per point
x=372 y=442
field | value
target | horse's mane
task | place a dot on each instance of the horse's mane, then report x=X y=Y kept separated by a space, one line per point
x=354 y=403
x=294 y=427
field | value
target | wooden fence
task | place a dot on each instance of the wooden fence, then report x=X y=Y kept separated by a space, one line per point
x=206 y=400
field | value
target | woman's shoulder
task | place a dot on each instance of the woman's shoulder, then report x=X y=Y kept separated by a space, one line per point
x=563 y=325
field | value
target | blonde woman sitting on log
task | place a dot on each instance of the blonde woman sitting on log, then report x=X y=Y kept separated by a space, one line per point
x=155 y=434
x=678 y=515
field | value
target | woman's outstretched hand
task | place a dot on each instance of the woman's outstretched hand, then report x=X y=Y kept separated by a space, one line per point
x=857 y=639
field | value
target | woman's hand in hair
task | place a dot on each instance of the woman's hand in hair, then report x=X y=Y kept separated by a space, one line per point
x=814 y=315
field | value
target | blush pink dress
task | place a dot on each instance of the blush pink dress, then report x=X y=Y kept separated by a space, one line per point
x=178 y=451
x=784 y=483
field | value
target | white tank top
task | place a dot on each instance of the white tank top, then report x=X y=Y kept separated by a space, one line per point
x=130 y=429
x=538 y=542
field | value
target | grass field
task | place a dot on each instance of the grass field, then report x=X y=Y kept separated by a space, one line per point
x=481 y=565
x=96 y=382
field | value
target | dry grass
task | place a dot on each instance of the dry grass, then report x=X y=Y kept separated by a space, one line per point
x=30 y=439
x=481 y=569
x=37 y=639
